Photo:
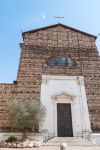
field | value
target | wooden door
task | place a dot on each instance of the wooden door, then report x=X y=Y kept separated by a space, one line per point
x=64 y=120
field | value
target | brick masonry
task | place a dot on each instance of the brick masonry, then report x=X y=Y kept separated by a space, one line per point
x=37 y=47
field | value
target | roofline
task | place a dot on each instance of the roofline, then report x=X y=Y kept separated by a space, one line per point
x=55 y=25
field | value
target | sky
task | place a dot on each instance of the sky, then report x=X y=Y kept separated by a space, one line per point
x=17 y=16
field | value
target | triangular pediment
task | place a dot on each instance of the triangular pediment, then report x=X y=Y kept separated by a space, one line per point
x=62 y=95
x=58 y=25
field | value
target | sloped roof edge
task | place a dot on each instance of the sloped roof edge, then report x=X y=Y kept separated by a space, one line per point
x=59 y=24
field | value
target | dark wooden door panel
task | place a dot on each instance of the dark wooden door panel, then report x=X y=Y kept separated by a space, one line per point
x=64 y=120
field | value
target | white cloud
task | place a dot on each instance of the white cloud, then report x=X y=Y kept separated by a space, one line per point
x=43 y=16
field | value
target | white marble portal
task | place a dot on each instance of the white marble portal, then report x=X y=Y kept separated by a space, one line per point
x=65 y=89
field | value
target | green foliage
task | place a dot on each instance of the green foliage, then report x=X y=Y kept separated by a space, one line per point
x=11 y=139
x=26 y=114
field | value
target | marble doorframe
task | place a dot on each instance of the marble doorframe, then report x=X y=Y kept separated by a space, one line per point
x=65 y=89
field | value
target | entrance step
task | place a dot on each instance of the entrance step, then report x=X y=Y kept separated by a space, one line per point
x=74 y=143
x=71 y=141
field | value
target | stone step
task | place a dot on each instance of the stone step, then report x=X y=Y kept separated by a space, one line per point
x=71 y=141
x=74 y=143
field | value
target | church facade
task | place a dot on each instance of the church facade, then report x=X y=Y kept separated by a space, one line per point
x=59 y=66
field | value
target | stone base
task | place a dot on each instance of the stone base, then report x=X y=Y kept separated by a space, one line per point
x=39 y=136
x=95 y=138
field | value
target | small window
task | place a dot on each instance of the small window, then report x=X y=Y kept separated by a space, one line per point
x=70 y=62
x=60 y=61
